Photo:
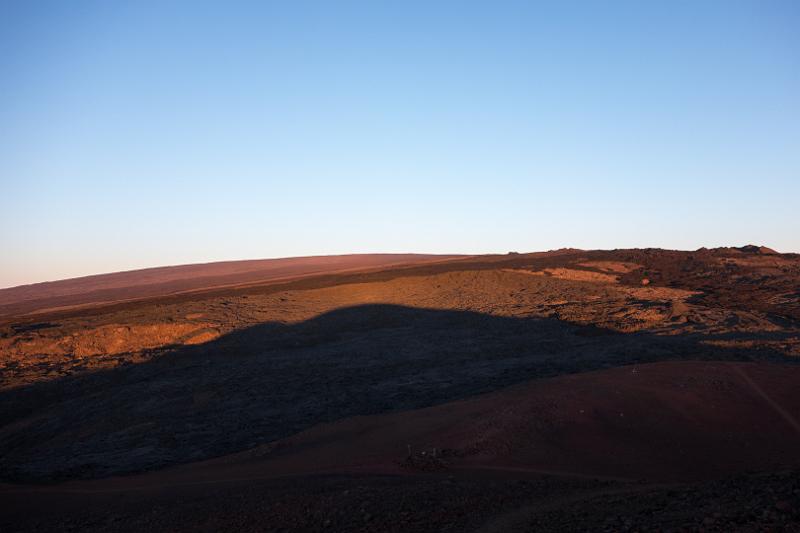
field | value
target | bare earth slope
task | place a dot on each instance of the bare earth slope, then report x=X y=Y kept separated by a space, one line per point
x=491 y=393
x=161 y=281
x=601 y=450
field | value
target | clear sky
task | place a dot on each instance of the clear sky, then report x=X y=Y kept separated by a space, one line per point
x=137 y=134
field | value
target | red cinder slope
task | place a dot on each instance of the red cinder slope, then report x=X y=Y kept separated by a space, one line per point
x=662 y=422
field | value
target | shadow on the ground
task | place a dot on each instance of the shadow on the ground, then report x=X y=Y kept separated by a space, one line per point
x=272 y=380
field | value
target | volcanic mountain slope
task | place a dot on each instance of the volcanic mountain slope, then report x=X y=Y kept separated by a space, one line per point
x=674 y=367
x=161 y=281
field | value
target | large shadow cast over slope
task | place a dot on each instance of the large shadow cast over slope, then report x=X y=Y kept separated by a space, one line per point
x=272 y=380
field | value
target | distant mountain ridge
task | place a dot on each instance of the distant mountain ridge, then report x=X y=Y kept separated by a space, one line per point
x=171 y=280
x=161 y=281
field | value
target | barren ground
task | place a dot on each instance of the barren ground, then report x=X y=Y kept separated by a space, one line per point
x=564 y=391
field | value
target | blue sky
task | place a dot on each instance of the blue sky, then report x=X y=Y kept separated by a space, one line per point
x=151 y=133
